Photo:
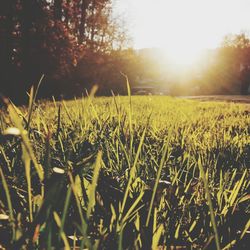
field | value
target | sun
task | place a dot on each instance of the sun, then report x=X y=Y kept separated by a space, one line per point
x=182 y=56
x=173 y=26
x=184 y=28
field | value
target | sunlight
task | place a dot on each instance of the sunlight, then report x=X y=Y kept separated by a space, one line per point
x=182 y=56
x=183 y=28
x=176 y=27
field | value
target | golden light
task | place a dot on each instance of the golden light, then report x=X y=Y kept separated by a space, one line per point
x=181 y=56
x=183 y=28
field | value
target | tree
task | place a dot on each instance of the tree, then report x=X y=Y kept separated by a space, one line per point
x=239 y=47
x=50 y=37
x=32 y=43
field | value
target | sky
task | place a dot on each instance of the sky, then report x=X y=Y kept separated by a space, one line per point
x=192 y=25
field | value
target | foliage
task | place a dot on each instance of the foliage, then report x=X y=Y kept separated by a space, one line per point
x=51 y=37
x=124 y=173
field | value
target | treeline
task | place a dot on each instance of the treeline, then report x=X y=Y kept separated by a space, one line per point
x=228 y=71
x=79 y=43
x=224 y=70
x=65 y=40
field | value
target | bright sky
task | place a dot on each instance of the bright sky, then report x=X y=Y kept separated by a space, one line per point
x=188 y=24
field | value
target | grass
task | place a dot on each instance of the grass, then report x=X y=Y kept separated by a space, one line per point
x=135 y=172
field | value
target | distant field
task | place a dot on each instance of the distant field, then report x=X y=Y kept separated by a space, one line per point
x=226 y=98
x=136 y=172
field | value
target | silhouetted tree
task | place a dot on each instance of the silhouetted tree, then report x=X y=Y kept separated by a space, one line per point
x=236 y=49
x=50 y=37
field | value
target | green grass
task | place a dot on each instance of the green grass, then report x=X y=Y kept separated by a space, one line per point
x=134 y=172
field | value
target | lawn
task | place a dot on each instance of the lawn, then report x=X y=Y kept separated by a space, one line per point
x=136 y=172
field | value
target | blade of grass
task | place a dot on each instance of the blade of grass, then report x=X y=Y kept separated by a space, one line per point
x=58 y=121
x=66 y=206
x=246 y=228
x=9 y=203
x=210 y=204
x=131 y=175
x=32 y=99
x=130 y=113
x=157 y=236
x=236 y=189
x=131 y=209
x=163 y=159
x=62 y=233
x=83 y=227
x=2 y=126
x=26 y=160
x=93 y=184
x=68 y=113
x=18 y=123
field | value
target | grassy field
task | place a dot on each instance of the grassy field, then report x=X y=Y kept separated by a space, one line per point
x=134 y=172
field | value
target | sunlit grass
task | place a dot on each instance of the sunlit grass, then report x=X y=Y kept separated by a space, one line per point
x=124 y=172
